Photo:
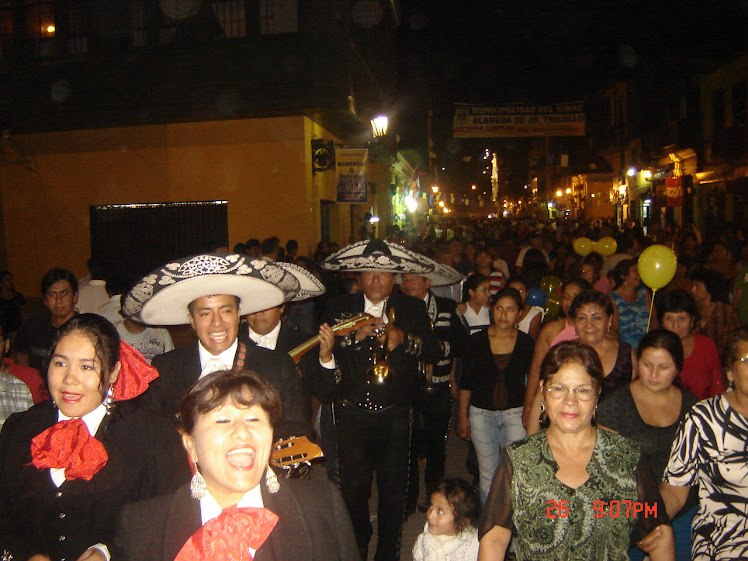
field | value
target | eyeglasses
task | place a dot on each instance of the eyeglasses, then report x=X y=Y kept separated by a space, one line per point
x=582 y=393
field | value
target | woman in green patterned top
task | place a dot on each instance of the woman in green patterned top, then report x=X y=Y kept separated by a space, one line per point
x=572 y=491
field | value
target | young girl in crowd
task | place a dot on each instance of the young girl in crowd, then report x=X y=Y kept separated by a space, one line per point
x=450 y=533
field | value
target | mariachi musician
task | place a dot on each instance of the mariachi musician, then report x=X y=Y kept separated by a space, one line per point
x=433 y=406
x=379 y=381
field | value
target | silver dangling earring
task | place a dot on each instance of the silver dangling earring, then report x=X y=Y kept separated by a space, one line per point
x=271 y=480
x=197 y=485
x=542 y=407
x=109 y=399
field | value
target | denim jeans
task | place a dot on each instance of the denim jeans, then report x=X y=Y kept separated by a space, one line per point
x=490 y=432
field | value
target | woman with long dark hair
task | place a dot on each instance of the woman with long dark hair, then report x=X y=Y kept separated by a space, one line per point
x=70 y=464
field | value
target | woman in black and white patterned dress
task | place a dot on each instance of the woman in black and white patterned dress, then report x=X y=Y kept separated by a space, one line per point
x=711 y=451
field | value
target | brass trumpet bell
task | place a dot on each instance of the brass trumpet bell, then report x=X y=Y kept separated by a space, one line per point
x=379 y=372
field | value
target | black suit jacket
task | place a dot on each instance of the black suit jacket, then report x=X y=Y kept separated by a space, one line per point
x=313 y=525
x=316 y=380
x=355 y=359
x=448 y=329
x=180 y=368
x=146 y=459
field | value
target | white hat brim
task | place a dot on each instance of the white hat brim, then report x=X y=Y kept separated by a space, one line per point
x=163 y=297
x=311 y=286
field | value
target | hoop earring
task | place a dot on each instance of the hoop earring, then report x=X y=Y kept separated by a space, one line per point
x=542 y=407
x=198 y=487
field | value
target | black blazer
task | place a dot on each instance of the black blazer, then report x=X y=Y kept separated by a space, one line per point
x=180 y=368
x=313 y=525
x=316 y=379
x=146 y=459
x=480 y=373
x=448 y=327
x=355 y=359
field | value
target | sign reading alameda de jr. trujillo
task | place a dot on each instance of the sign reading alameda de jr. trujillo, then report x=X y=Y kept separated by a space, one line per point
x=519 y=119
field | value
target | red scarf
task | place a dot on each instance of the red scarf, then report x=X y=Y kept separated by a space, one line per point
x=68 y=445
x=229 y=536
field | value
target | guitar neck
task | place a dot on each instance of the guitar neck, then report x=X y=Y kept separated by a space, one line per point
x=298 y=352
x=339 y=329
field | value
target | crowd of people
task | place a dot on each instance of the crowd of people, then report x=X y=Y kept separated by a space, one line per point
x=580 y=392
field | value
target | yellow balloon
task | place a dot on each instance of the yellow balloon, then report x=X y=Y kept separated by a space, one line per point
x=657 y=266
x=606 y=246
x=583 y=246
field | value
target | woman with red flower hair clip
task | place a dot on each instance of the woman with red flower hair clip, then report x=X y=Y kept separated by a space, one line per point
x=70 y=464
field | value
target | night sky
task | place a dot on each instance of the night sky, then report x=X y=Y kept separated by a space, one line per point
x=544 y=51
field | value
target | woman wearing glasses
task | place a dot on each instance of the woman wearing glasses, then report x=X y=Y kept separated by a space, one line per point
x=570 y=491
x=709 y=453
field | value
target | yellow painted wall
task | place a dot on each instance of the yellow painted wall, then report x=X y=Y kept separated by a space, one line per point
x=262 y=167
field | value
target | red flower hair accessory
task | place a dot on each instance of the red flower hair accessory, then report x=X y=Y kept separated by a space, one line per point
x=134 y=373
x=68 y=445
x=229 y=536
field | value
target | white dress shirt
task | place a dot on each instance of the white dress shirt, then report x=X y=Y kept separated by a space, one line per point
x=268 y=341
x=223 y=361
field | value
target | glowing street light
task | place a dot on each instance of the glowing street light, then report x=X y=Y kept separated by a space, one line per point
x=647 y=174
x=379 y=126
x=568 y=191
x=411 y=203
x=435 y=188
x=441 y=204
x=559 y=193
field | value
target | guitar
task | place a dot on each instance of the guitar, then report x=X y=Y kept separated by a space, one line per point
x=340 y=328
x=293 y=451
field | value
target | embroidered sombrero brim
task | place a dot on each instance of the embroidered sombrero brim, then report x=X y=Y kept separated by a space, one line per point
x=162 y=297
x=377 y=256
x=311 y=286
x=442 y=275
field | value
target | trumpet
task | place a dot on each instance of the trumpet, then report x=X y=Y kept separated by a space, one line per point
x=379 y=371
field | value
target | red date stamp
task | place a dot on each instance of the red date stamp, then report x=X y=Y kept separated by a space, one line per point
x=613 y=509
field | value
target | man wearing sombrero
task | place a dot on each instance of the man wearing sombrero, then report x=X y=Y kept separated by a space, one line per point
x=211 y=292
x=433 y=406
x=373 y=417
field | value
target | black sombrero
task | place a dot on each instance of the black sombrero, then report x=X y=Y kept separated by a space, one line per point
x=162 y=297
x=377 y=256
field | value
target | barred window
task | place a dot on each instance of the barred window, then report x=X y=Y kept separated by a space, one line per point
x=231 y=17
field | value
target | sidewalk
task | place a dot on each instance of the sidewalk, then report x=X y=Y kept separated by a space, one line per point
x=456 y=452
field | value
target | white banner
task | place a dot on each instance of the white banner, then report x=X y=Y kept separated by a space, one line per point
x=518 y=119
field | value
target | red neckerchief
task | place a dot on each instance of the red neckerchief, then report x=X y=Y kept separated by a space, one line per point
x=230 y=535
x=68 y=445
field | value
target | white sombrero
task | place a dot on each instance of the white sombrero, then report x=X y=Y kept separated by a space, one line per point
x=378 y=256
x=442 y=275
x=162 y=297
x=311 y=286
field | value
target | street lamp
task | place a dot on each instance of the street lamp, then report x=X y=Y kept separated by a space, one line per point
x=434 y=188
x=379 y=126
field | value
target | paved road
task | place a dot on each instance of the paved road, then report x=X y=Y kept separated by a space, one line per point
x=456 y=450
